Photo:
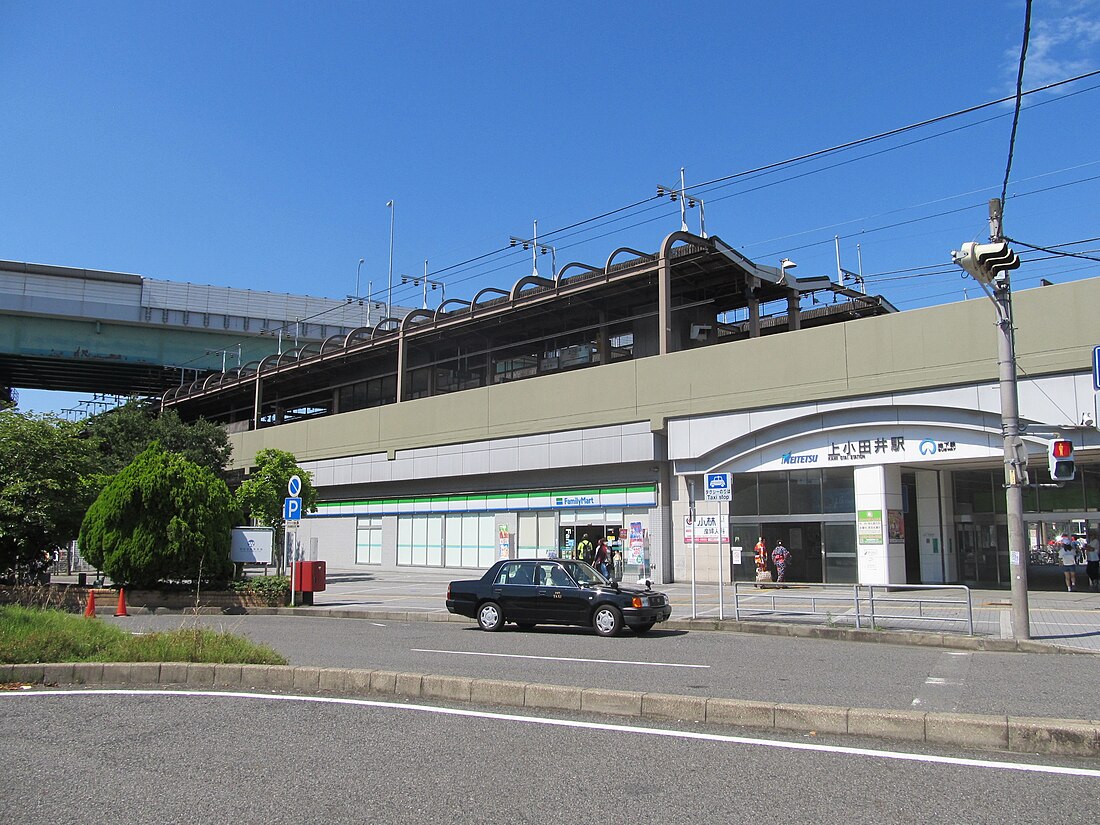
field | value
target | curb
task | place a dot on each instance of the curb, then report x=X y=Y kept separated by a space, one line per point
x=1055 y=737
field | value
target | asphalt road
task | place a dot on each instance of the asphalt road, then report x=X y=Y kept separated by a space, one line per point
x=696 y=663
x=160 y=758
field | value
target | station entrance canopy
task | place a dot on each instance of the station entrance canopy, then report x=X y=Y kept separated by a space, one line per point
x=691 y=292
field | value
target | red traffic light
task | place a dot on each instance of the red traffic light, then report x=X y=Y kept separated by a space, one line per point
x=1061 y=449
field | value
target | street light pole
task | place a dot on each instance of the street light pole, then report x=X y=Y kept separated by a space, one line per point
x=389 y=290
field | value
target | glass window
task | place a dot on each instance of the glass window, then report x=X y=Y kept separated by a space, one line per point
x=486 y=528
x=368 y=541
x=404 y=541
x=774 y=496
x=744 y=495
x=420 y=540
x=527 y=535
x=974 y=492
x=805 y=491
x=452 y=534
x=838 y=491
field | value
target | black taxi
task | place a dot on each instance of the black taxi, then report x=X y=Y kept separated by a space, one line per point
x=528 y=592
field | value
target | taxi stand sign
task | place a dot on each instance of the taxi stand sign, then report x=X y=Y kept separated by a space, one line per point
x=718 y=487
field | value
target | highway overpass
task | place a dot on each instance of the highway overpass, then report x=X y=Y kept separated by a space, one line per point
x=85 y=330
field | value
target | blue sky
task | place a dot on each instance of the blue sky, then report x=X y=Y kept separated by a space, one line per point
x=255 y=145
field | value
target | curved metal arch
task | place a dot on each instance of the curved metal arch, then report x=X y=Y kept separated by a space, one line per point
x=337 y=338
x=252 y=366
x=365 y=332
x=576 y=265
x=410 y=319
x=439 y=309
x=273 y=358
x=648 y=256
x=396 y=322
x=194 y=386
x=312 y=348
x=290 y=356
x=681 y=235
x=216 y=377
x=485 y=291
x=529 y=280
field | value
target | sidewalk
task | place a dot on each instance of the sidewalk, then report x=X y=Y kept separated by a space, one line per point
x=1057 y=618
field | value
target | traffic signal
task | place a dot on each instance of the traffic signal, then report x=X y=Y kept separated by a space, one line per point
x=1060 y=460
x=985 y=261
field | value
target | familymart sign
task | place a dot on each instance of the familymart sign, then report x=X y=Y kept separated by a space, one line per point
x=644 y=495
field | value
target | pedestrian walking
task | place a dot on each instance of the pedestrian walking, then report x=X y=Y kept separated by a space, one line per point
x=781 y=557
x=600 y=557
x=1092 y=560
x=1068 y=552
x=584 y=549
x=760 y=556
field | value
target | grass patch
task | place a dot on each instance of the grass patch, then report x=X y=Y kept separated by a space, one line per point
x=29 y=635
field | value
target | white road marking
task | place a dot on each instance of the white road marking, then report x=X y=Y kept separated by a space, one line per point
x=376 y=624
x=987 y=764
x=555 y=658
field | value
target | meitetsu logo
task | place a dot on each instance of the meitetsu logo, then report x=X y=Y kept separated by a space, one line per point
x=574 y=501
x=806 y=458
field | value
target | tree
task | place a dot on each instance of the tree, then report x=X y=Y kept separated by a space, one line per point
x=162 y=517
x=261 y=494
x=44 y=466
x=127 y=430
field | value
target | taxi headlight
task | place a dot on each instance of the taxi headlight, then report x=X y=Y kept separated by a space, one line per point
x=638 y=601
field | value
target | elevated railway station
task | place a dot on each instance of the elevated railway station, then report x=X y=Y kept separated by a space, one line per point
x=692 y=292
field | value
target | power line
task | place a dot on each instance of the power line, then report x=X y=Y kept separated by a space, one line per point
x=1019 y=98
x=464 y=266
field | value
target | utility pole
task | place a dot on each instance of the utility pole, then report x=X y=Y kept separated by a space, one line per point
x=990 y=264
x=1015 y=454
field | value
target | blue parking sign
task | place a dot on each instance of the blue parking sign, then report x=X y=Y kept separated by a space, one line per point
x=292 y=508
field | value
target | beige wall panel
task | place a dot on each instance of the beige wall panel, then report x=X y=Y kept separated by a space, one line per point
x=444 y=419
x=583 y=398
x=754 y=373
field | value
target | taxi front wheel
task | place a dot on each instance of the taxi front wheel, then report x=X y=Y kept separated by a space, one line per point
x=608 y=620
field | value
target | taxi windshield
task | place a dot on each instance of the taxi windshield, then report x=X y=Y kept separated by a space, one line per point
x=584 y=574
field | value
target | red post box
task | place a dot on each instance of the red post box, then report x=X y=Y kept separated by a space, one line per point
x=309 y=576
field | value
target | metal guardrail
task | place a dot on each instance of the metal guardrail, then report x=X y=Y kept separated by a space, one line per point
x=864 y=604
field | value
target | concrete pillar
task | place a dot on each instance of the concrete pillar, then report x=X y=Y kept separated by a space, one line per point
x=664 y=301
x=401 y=355
x=931 y=528
x=794 y=312
x=878 y=516
x=754 y=307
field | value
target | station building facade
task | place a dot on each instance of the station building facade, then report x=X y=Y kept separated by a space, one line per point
x=868 y=440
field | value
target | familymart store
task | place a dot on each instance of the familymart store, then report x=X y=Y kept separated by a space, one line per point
x=471 y=531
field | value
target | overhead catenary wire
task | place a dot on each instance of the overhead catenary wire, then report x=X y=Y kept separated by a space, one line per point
x=554 y=236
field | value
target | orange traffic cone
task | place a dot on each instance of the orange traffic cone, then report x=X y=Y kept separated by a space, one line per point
x=89 y=608
x=121 y=602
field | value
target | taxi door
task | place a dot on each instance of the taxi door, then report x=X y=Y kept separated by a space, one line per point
x=514 y=590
